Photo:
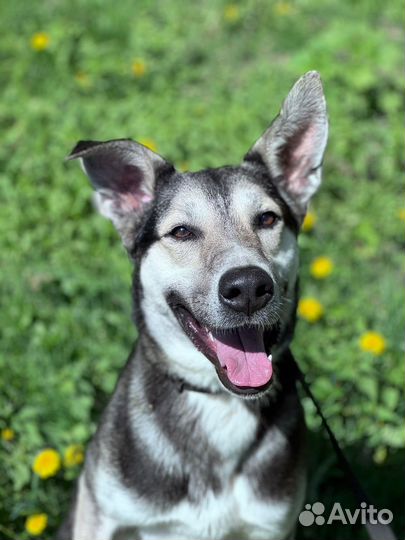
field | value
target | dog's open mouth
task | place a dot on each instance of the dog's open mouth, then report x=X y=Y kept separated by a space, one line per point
x=241 y=356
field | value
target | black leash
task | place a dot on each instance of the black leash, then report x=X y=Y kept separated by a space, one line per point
x=376 y=531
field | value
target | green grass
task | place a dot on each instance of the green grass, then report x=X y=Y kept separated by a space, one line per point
x=211 y=86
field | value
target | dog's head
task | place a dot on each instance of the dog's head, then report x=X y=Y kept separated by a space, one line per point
x=216 y=250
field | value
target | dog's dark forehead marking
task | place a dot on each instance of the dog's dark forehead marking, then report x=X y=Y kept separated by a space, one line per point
x=217 y=183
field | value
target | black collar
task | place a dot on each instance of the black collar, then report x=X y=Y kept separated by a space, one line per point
x=182 y=385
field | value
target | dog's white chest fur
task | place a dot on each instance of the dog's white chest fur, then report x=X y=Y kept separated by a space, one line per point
x=236 y=512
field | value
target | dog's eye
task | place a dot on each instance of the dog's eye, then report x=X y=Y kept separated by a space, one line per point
x=267 y=219
x=181 y=233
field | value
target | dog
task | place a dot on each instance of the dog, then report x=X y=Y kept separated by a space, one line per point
x=204 y=437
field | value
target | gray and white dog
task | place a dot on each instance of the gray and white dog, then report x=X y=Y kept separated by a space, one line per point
x=204 y=435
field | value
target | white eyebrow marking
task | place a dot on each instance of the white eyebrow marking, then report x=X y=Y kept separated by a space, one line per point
x=189 y=206
x=248 y=199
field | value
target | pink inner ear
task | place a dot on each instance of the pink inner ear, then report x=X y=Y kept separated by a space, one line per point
x=301 y=159
x=131 y=193
x=130 y=201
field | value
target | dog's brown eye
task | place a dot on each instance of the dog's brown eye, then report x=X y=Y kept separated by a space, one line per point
x=181 y=233
x=267 y=219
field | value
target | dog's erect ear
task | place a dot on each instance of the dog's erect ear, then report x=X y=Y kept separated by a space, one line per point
x=292 y=147
x=123 y=173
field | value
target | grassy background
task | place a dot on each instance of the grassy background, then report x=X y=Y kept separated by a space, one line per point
x=215 y=75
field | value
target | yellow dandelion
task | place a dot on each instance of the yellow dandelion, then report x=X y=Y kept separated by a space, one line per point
x=74 y=455
x=283 y=8
x=310 y=309
x=40 y=41
x=309 y=222
x=139 y=67
x=231 y=13
x=36 y=524
x=47 y=463
x=149 y=143
x=373 y=342
x=7 y=434
x=401 y=214
x=321 y=267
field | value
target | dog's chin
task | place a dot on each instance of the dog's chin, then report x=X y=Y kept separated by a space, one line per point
x=241 y=356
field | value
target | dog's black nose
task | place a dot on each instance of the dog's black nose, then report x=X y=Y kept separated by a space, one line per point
x=246 y=289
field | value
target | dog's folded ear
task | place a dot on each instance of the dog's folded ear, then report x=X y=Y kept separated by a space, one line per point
x=292 y=147
x=123 y=173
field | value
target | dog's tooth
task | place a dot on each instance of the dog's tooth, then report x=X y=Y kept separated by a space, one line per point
x=211 y=337
x=270 y=358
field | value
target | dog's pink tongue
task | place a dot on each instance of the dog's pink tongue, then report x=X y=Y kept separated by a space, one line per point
x=244 y=356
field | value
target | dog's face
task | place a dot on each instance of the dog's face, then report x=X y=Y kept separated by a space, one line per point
x=221 y=267
x=217 y=249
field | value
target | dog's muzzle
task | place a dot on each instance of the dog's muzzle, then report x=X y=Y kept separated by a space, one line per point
x=241 y=356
